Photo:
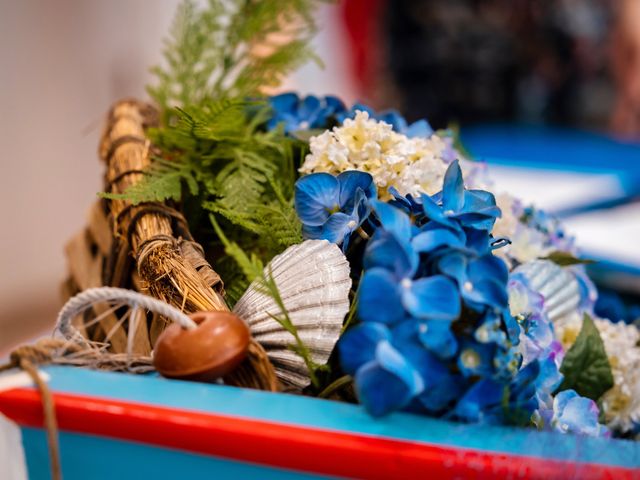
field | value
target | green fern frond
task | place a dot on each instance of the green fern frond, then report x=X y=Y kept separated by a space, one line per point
x=232 y=48
x=218 y=157
x=164 y=180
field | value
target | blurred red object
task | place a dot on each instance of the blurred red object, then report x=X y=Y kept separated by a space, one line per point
x=625 y=56
x=361 y=20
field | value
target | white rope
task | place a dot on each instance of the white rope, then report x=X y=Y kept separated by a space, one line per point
x=85 y=300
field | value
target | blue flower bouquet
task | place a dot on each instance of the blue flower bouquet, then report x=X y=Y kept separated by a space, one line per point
x=370 y=258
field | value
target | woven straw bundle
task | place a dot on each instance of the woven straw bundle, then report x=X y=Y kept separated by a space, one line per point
x=145 y=247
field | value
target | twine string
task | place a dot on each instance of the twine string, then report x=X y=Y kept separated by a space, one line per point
x=91 y=296
x=27 y=358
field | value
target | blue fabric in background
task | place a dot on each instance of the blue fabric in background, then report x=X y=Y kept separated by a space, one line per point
x=569 y=150
x=553 y=148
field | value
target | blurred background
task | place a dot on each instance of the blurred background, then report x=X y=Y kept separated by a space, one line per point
x=546 y=91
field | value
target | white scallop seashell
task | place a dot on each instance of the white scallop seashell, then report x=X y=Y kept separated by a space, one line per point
x=314 y=283
x=557 y=285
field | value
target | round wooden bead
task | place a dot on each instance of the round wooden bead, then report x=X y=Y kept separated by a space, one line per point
x=211 y=350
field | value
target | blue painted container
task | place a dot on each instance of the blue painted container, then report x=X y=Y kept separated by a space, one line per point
x=121 y=426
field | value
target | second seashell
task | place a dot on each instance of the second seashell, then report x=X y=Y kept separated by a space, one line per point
x=557 y=285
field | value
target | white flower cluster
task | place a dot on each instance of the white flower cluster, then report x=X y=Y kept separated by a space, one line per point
x=527 y=243
x=410 y=165
x=621 y=404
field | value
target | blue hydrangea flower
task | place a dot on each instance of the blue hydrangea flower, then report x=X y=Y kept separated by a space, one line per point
x=331 y=208
x=491 y=401
x=296 y=113
x=393 y=370
x=547 y=383
x=457 y=207
x=482 y=281
x=389 y=290
x=385 y=379
x=575 y=414
x=536 y=336
x=421 y=128
x=406 y=300
x=567 y=412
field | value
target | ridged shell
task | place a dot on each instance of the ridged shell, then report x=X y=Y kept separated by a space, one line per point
x=557 y=285
x=314 y=283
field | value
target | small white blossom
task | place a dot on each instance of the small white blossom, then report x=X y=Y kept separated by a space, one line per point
x=527 y=244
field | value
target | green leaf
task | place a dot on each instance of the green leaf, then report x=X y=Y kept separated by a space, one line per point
x=585 y=367
x=565 y=259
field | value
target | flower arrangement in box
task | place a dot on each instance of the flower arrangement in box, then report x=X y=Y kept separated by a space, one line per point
x=369 y=258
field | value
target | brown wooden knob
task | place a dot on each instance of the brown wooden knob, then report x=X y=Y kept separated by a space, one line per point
x=211 y=350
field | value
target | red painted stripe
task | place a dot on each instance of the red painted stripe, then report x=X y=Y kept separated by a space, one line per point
x=287 y=446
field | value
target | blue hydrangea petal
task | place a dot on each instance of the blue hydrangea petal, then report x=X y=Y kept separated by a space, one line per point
x=379 y=297
x=360 y=107
x=454 y=265
x=478 y=240
x=434 y=297
x=387 y=383
x=549 y=378
x=437 y=337
x=488 y=266
x=308 y=108
x=485 y=292
x=316 y=196
x=522 y=391
x=337 y=227
x=386 y=250
x=405 y=331
x=562 y=398
x=538 y=337
x=440 y=386
x=392 y=360
x=512 y=326
x=334 y=104
x=576 y=414
x=393 y=118
x=350 y=182
x=311 y=233
x=358 y=345
x=507 y=361
x=478 y=221
x=285 y=102
x=380 y=391
x=419 y=129
x=479 y=201
x=429 y=240
x=407 y=204
x=439 y=396
x=393 y=220
x=453 y=197
x=483 y=395
x=435 y=213
x=425 y=363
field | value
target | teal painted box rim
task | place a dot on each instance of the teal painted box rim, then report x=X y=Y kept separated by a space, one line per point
x=335 y=418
